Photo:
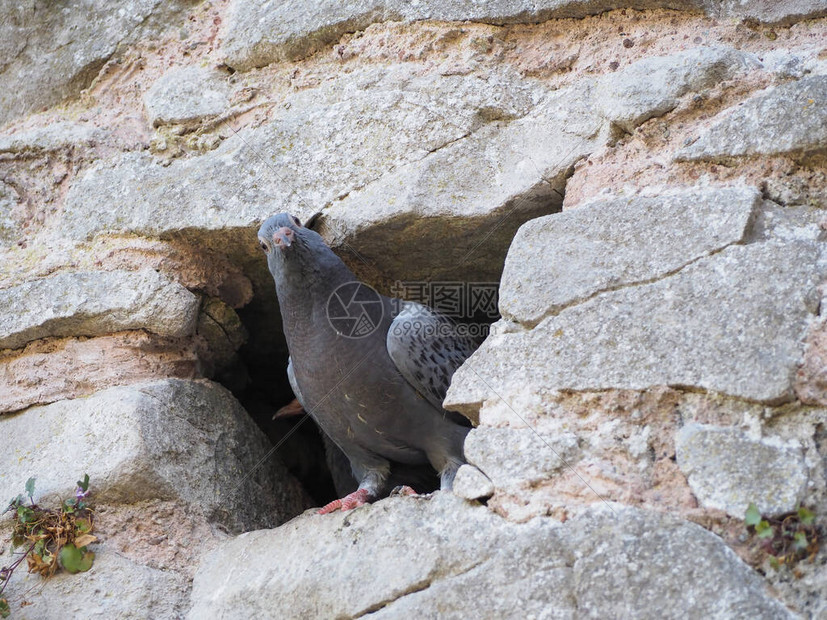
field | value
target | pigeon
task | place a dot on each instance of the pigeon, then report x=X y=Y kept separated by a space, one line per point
x=372 y=371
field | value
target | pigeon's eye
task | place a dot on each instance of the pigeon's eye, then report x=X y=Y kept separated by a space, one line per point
x=297 y=221
x=263 y=245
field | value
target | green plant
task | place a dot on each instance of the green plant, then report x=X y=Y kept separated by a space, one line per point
x=53 y=538
x=787 y=539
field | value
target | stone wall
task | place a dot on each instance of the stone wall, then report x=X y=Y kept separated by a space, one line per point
x=647 y=181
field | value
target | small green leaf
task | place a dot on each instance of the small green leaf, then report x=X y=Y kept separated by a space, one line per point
x=30 y=487
x=13 y=504
x=70 y=558
x=800 y=541
x=775 y=563
x=74 y=560
x=4 y=608
x=764 y=530
x=807 y=516
x=25 y=514
x=84 y=484
x=753 y=516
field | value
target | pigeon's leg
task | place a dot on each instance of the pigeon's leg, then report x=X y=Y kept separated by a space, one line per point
x=447 y=456
x=448 y=473
x=370 y=487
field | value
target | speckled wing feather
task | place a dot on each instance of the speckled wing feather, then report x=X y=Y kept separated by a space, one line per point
x=427 y=349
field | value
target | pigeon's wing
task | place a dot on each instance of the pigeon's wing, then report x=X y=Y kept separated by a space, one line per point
x=427 y=348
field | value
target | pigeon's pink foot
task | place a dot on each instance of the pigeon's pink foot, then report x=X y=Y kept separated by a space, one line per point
x=359 y=497
x=403 y=490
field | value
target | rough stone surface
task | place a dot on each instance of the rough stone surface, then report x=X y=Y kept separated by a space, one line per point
x=654 y=86
x=376 y=122
x=52 y=50
x=512 y=457
x=169 y=439
x=261 y=32
x=187 y=94
x=93 y=303
x=115 y=587
x=811 y=379
x=426 y=143
x=790 y=119
x=56 y=136
x=771 y=11
x=56 y=369
x=9 y=199
x=505 y=171
x=728 y=470
x=568 y=257
x=733 y=323
x=461 y=560
x=471 y=483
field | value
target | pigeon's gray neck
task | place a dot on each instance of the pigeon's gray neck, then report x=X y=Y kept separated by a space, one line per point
x=304 y=289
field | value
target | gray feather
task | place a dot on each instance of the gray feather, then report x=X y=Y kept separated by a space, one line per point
x=427 y=349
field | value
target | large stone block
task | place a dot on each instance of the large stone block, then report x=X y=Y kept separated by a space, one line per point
x=261 y=32
x=728 y=470
x=90 y=303
x=52 y=50
x=653 y=86
x=169 y=439
x=561 y=259
x=790 y=119
x=187 y=94
x=734 y=323
x=115 y=587
x=457 y=560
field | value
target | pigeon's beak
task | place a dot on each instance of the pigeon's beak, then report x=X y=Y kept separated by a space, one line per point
x=283 y=237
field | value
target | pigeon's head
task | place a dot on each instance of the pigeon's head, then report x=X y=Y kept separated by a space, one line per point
x=291 y=246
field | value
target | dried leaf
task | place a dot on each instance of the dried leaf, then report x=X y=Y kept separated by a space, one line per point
x=85 y=539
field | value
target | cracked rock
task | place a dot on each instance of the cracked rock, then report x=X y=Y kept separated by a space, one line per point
x=560 y=259
x=353 y=133
x=734 y=323
x=513 y=457
x=499 y=177
x=458 y=560
x=728 y=470
x=91 y=303
x=790 y=119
